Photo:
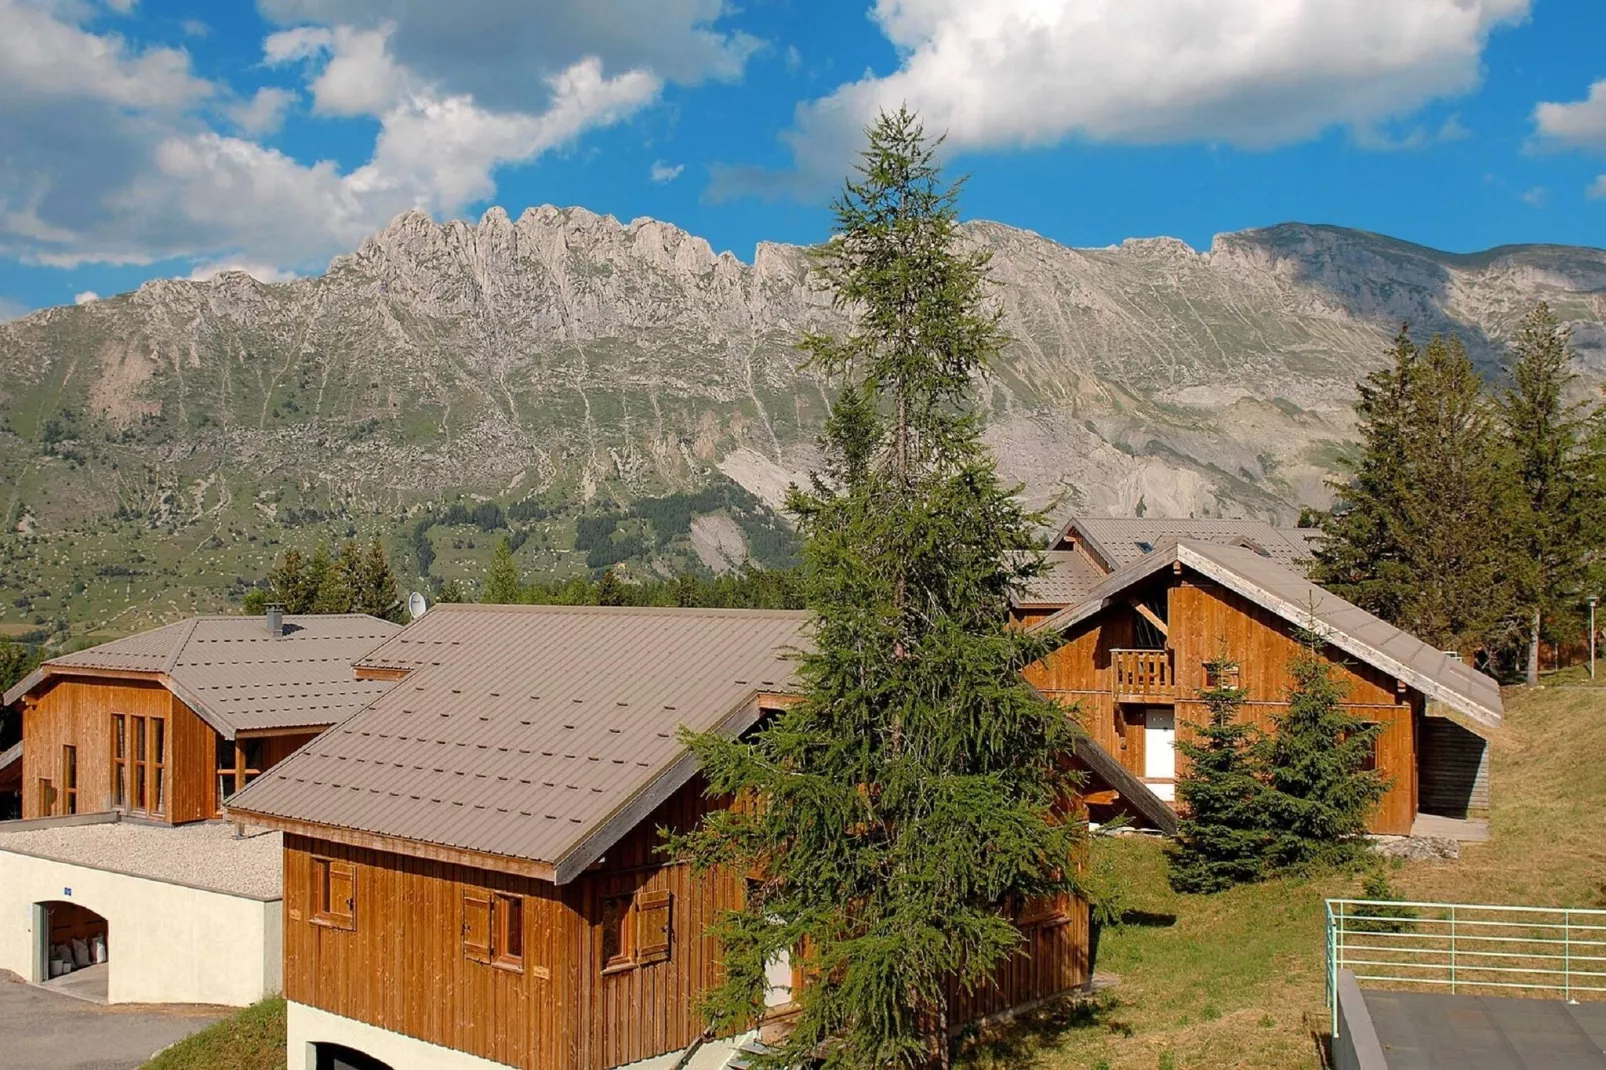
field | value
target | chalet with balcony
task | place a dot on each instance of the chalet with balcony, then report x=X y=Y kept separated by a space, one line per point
x=1134 y=647
x=471 y=866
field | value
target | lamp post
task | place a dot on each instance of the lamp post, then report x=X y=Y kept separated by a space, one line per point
x=1592 y=600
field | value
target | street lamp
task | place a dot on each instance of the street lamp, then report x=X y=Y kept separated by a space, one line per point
x=1592 y=600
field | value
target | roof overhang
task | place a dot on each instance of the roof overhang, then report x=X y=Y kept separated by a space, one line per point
x=48 y=672
x=11 y=765
x=1179 y=552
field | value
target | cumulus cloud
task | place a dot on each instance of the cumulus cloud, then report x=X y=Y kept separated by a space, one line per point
x=264 y=112
x=260 y=272
x=1021 y=73
x=85 y=297
x=109 y=156
x=1579 y=124
x=662 y=172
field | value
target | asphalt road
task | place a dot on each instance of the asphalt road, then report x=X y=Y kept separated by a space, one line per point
x=42 y=1030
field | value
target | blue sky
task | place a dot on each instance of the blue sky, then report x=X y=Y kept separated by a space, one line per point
x=145 y=138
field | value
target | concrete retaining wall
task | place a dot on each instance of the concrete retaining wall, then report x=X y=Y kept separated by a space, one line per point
x=168 y=943
x=1356 y=1046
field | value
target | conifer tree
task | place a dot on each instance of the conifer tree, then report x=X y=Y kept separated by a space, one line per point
x=337 y=577
x=1558 y=508
x=1222 y=840
x=290 y=585
x=1456 y=511
x=503 y=584
x=1362 y=557
x=914 y=792
x=1319 y=791
x=375 y=590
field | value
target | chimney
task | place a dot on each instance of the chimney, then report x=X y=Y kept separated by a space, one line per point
x=275 y=620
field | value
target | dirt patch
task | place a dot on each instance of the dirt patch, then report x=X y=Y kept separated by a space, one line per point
x=719 y=542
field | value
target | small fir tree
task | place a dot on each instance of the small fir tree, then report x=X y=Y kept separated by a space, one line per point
x=1319 y=791
x=1222 y=840
x=917 y=789
x=503 y=584
x=375 y=590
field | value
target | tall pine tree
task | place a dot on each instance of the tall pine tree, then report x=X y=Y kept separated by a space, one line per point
x=915 y=792
x=1223 y=839
x=1558 y=507
x=1319 y=789
x=503 y=584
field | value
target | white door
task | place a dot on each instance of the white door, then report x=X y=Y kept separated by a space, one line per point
x=1159 y=751
x=778 y=972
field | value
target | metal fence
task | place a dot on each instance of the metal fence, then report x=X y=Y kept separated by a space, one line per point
x=1458 y=947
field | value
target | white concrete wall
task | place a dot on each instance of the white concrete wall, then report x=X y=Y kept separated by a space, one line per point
x=306 y=1026
x=167 y=943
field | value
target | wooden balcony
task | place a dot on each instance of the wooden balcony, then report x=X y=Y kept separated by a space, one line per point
x=1143 y=676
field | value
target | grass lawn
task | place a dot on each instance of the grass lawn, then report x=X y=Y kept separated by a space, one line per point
x=252 y=1039
x=1236 y=980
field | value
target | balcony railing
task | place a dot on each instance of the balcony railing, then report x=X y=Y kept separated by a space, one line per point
x=1143 y=674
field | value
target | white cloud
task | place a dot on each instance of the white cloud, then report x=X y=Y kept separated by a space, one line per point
x=1251 y=73
x=11 y=308
x=793 y=59
x=1578 y=125
x=260 y=272
x=122 y=7
x=85 y=297
x=1537 y=197
x=194 y=28
x=1597 y=189
x=359 y=78
x=662 y=172
x=263 y=113
x=51 y=57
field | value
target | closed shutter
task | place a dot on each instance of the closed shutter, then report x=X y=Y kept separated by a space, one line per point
x=476 y=927
x=652 y=927
x=342 y=894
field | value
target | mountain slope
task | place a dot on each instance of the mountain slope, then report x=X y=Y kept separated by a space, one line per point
x=572 y=358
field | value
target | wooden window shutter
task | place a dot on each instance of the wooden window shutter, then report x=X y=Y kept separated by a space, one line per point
x=652 y=927
x=342 y=894
x=477 y=926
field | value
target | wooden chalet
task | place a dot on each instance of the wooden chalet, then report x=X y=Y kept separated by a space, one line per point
x=1135 y=643
x=471 y=866
x=167 y=723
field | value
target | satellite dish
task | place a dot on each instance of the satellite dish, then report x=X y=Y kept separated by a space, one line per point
x=416 y=605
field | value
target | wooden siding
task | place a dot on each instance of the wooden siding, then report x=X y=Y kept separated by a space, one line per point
x=407 y=926
x=1054 y=959
x=1203 y=619
x=1455 y=769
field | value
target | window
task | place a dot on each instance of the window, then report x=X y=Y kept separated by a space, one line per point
x=507 y=923
x=119 y=761
x=617 y=949
x=334 y=893
x=1369 y=761
x=139 y=763
x=1221 y=674
x=239 y=762
x=47 y=796
x=69 y=778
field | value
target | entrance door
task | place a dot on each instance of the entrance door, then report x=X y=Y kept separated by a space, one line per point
x=1159 y=751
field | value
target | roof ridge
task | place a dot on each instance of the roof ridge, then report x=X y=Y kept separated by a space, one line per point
x=178 y=648
x=522 y=607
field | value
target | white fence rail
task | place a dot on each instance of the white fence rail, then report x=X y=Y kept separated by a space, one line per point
x=1465 y=947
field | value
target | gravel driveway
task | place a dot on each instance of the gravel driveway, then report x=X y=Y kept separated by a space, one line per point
x=48 y=1031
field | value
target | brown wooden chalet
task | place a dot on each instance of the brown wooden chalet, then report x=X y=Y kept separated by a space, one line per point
x=167 y=723
x=1135 y=644
x=471 y=864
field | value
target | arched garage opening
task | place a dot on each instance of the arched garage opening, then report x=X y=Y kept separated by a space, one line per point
x=339 y=1057
x=72 y=948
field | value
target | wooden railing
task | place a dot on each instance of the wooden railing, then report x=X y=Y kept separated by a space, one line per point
x=1140 y=674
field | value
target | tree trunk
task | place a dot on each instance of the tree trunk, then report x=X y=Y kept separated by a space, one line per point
x=1533 y=652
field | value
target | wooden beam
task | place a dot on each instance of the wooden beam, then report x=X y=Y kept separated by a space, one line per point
x=1149 y=615
x=368 y=672
x=374 y=841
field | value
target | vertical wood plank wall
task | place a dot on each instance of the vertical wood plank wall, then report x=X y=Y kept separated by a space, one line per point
x=1202 y=616
x=1054 y=959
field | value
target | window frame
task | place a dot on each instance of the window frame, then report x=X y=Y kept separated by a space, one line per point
x=326 y=874
x=505 y=932
x=139 y=772
x=622 y=909
x=119 y=750
x=240 y=772
x=69 y=778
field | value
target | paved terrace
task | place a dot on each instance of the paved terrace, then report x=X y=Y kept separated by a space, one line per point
x=205 y=855
x=1432 y=1031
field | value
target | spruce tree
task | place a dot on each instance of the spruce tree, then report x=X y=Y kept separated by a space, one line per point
x=1558 y=509
x=1222 y=839
x=915 y=792
x=1456 y=512
x=1361 y=556
x=503 y=584
x=1319 y=793
x=375 y=590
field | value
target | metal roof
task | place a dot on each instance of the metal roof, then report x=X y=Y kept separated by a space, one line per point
x=238 y=677
x=541 y=733
x=1123 y=540
x=1066 y=580
x=1297 y=600
x=544 y=733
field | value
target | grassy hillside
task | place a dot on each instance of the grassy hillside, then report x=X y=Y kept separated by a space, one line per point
x=1236 y=980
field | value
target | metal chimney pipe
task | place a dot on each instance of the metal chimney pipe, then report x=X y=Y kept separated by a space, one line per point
x=275 y=620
